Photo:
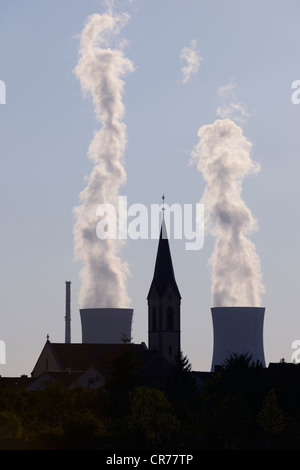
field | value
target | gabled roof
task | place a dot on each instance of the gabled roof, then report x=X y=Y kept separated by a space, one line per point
x=80 y=356
x=163 y=272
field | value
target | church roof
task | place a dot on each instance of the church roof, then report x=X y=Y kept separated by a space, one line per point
x=163 y=271
x=79 y=356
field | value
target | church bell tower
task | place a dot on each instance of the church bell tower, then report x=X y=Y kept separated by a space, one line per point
x=164 y=301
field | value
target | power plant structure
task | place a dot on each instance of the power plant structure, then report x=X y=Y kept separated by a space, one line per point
x=113 y=325
x=106 y=325
x=100 y=325
x=68 y=313
x=237 y=330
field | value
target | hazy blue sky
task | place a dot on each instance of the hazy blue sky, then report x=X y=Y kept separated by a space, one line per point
x=46 y=126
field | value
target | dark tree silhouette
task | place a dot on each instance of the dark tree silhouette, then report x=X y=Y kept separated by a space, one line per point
x=181 y=384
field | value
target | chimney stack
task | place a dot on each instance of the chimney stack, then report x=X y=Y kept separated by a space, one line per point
x=68 y=313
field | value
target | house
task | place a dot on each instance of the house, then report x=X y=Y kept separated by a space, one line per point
x=89 y=365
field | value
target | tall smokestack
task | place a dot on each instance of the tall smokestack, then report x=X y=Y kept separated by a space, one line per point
x=68 y=313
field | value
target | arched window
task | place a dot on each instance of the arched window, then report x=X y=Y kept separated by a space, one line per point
x=170 y=319
x=153 y=319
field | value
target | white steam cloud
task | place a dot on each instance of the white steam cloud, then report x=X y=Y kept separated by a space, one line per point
x=101 y=70
x=191 y=56
x=230 y=107
x=223 y=157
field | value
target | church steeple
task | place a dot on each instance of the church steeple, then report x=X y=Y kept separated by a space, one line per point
x=164 y=303
x=163 y=271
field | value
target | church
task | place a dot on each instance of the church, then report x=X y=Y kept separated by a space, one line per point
x=164 y=301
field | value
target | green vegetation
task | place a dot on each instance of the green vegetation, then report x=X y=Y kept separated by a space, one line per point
x=241 y=407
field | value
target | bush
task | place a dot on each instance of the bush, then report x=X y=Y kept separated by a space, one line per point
x=81 y=429
x=10 y=425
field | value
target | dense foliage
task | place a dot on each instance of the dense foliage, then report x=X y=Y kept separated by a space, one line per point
x=243 y=406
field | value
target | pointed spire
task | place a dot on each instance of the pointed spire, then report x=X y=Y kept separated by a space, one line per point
x=163 y=271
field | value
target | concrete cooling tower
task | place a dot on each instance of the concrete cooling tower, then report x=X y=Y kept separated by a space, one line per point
x=105 y=325
x=237 y=330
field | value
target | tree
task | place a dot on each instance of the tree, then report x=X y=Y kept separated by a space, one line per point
x=240 y=362
x=124 y=375
x=81 y=428
x=181 y=384
x=152 y=418
x=241 y=374
x=10 y=425
x=232 y=420
x=271 y=417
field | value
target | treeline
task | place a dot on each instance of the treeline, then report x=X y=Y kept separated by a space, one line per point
x=242 y=407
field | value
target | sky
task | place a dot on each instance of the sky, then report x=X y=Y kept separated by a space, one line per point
x=185 y=54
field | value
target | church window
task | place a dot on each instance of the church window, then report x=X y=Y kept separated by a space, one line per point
x=153 y=319
x=170 y=319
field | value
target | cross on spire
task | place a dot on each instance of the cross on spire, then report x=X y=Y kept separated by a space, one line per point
x=163 y=207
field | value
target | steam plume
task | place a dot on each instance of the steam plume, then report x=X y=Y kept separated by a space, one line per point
x=223 y=158
x=100 y=70
x=230 y=106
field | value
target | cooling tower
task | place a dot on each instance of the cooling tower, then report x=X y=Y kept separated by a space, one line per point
x=105 y=325
x=237 y=330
